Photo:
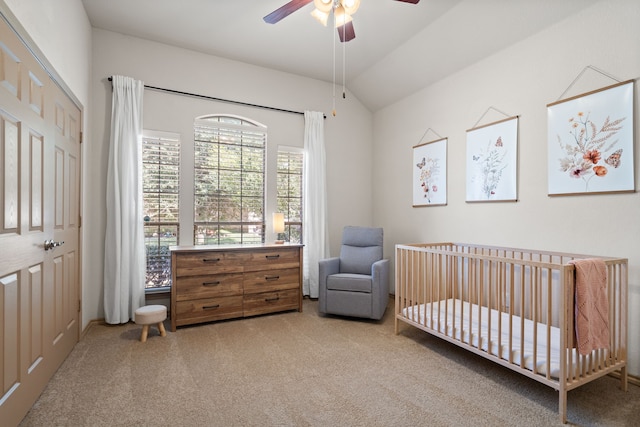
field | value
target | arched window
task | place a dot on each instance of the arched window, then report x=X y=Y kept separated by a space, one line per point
x=229 y=180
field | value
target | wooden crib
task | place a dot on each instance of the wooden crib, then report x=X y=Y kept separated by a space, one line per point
x=512 y=306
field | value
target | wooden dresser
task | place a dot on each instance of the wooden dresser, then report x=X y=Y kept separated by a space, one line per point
x=223 y=282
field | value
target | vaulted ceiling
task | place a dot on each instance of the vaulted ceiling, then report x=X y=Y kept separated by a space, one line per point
x=399 y=47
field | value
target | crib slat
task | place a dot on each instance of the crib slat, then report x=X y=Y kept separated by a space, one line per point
x=535 y=290
x=562 y=374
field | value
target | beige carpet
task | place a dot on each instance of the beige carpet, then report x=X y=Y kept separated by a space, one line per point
x=302 y=369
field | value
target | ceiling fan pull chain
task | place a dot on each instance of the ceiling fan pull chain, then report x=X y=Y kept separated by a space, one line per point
x=344 y=63
x=333 y=112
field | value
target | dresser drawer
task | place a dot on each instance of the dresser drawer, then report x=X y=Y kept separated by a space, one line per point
x=273 y=259
x=218 y=285
x=210 y=262
x=208 y=309
x=271 y=280
x=271 y=302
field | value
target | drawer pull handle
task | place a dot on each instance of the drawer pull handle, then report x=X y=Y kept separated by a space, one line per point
x=271 y=277
x=210 y=307
x=272 y=256
x=271 y=299
x=211 y=260
x=216 y=283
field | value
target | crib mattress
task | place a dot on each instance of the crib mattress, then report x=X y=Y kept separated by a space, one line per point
x=469 y=323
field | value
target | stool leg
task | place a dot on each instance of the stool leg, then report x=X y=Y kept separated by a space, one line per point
x=145 y=331
x=163 y=333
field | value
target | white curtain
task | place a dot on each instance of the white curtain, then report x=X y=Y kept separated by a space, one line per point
x=316 y=237
x=124 y=250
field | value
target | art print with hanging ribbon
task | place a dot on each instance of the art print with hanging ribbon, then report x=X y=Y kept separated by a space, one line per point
x=430 y=173
x=492 y=160
x=590 y=142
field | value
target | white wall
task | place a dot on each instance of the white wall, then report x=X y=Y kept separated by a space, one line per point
x=61 y=32
x=520 y=80
x=348 y=135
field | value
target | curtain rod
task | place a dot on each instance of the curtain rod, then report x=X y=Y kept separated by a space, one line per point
x=213 y=98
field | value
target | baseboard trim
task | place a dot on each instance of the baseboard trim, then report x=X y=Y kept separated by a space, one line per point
x=90 y=325
x=631 y=379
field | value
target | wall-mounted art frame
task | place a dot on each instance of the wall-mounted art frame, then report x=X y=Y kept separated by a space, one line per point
x=590 y=142
x=430 y=173
x=492 y=162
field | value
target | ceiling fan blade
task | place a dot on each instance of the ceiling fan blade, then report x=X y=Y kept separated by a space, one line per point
x=346 y=32
x=410 y=1
x=284 y=11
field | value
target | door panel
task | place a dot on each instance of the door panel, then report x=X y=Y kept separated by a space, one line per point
x=36 y=146
x=11 y=174
x=67 y=203
x=35 y=289
x=10 y=334
x=39 y=201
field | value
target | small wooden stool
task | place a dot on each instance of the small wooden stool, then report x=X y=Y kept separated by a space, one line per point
x=151 y=315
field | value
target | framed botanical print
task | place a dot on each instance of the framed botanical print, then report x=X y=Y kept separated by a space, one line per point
x=430 y=173
x=590 y=142
x=492 y=157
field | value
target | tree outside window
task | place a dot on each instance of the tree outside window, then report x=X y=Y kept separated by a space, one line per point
x=160 y=193
x=229 y=172
x=289 y=197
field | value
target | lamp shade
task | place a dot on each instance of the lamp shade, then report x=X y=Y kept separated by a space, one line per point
x=278 y=222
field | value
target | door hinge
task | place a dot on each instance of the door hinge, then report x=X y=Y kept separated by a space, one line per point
x=81 y=137
x=79 y=221
x=79 y=306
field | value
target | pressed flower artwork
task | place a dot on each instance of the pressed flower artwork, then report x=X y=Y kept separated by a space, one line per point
x=430 y=173
x=492 y=161
x=591 y=142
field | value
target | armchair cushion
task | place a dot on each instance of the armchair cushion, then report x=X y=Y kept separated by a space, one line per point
x=361 y=247
x=358 y=260
x=349 y=282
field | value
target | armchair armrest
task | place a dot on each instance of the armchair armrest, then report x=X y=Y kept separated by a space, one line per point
x=380 y=275
x=380 y=290
x=326 y=267
x=329 y=266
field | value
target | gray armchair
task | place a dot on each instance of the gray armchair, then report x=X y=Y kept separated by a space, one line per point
x=356 y=283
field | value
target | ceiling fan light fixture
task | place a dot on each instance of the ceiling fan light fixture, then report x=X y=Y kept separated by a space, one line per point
x=341 y=16
x=350 y=6
x=320 y=16
x=323 y=5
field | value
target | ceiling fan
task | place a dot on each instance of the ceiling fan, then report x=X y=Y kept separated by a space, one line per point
x=342 y=11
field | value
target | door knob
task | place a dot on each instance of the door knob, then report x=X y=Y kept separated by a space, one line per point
x=50 y=244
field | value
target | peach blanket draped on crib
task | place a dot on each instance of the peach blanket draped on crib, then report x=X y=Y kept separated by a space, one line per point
x=591 y=305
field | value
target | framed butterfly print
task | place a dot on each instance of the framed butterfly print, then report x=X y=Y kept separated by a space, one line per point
x=430 y=173
x=492 y=161
x=590 y=142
